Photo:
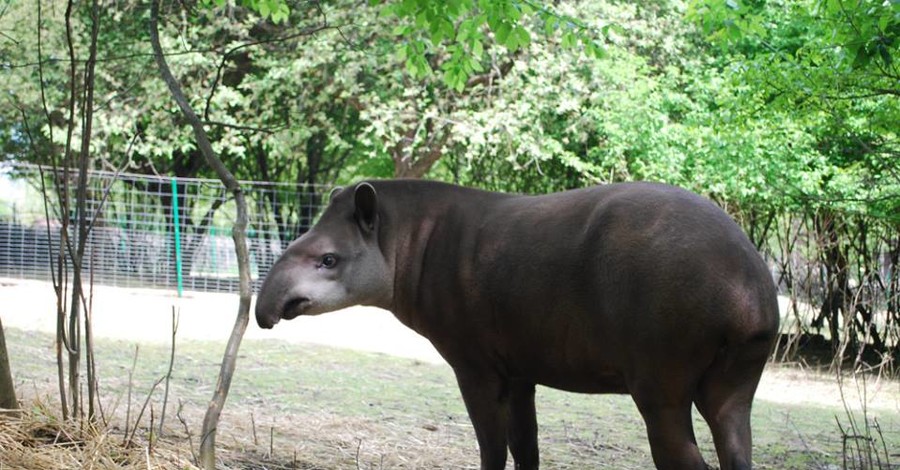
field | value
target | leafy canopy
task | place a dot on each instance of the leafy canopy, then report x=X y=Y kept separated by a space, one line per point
x=464 y=25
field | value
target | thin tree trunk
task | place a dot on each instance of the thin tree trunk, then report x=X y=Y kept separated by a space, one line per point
x=7 y=388
x=211 y=420
x=893 y=305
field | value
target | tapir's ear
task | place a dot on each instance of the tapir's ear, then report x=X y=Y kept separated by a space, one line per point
x=334 y=191
x=366 y=206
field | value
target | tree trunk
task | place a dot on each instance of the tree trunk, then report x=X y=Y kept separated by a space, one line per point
x=238 y=232
x=413 y=161
x=893 y=305
x=7 y=388
x=837 y=282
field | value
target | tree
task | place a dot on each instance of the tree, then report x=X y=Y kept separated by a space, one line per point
x=7 y=387
x=828 y=68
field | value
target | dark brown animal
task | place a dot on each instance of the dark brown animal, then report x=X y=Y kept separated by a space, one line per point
x=635 y=288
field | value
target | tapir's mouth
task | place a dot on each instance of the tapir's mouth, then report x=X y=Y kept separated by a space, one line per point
x=293 y=308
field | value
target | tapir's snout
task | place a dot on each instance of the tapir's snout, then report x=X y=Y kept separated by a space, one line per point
x=279 y=298
x=268 y=310
x=264 y=322
x=266 y=317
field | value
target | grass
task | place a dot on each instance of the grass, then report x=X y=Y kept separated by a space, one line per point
x=306 y=406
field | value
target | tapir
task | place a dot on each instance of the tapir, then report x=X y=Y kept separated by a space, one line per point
x=637 y=288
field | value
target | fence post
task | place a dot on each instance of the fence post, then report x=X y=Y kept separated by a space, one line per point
x=177 y=222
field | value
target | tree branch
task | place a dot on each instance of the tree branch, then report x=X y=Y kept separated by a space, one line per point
x=305 y=32
x=264 y=130
x=488 y=78
x=211 y=420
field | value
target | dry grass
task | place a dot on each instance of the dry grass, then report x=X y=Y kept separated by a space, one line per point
x=37 y=439
x=327 y=441
x=313 y=407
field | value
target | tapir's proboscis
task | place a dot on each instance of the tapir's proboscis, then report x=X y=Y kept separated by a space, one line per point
x=636 y=288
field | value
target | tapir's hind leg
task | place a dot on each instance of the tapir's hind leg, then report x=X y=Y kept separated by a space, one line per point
x=724 y=397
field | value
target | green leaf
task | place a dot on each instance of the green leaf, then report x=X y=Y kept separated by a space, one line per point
x=594 y=48
x=477 y=49
x=447 y=28
x=389 y=9
x=502 y=33
x=522 y=36
x=437 y=36
x=885 y=19
x=550 y=26
x=422 y=20
x=449 y=78
x=476 y=66
x=460 y=84
x=281 y=14
x=861 y=58
x=734 y=32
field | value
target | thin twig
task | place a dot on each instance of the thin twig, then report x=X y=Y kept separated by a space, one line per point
x=306 y=32
x=162 y=416
x=187 y=430
x=143 y=409
x=130 y=387
x=150 y=440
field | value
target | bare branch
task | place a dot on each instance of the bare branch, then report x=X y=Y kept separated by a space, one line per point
x=162 y=415
x=305 y=32
x=211 y=419
x=488 y=78
x=263 y=130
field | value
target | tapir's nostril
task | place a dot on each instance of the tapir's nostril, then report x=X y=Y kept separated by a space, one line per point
x=294 y=307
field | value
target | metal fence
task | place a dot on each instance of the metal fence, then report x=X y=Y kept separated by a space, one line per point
x=148 y=231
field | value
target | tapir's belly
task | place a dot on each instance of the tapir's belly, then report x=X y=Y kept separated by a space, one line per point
x=601 y=347
x=579 y=380
x=583 y=372
x=572 y=353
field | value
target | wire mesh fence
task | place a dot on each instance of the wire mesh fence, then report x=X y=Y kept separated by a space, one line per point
x=148 y=231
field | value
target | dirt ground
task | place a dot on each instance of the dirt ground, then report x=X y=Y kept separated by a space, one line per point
x=144 y=315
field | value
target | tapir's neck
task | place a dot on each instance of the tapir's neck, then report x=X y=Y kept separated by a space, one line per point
x=426 y=220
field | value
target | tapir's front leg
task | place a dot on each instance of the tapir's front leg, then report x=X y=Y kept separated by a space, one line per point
x=523 y=441
x=487 y=400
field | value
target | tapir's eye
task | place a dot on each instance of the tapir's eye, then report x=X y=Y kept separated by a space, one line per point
x=328 y=261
